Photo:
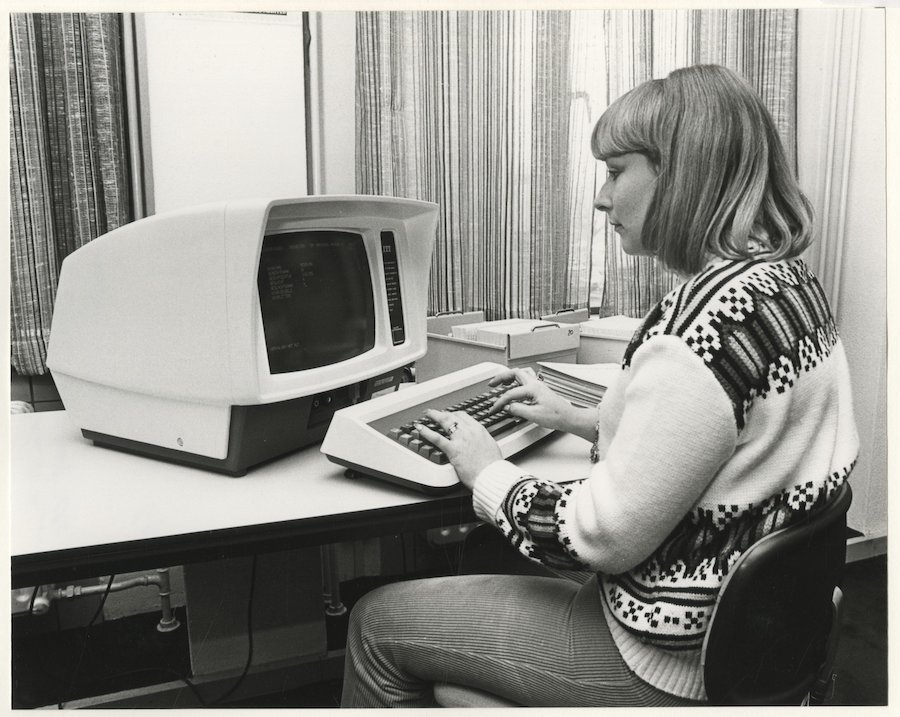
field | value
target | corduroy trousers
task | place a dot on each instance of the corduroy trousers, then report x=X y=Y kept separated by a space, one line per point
x=538 y=641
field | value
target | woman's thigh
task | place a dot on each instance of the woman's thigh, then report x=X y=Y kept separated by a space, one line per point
x=534 y=640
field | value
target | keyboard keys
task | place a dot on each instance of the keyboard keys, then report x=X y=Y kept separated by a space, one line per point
x=477 y=406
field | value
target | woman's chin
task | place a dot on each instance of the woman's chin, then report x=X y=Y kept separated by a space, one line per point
x=633 y=247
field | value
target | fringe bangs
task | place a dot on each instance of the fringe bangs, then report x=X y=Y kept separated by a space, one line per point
x=628 y=124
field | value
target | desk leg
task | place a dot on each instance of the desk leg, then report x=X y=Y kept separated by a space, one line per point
x=331 y=586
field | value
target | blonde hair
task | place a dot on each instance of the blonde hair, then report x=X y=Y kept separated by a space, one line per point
x=724 y=184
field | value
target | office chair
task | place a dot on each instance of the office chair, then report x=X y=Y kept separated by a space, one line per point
x=774 y=629
x=773 y=633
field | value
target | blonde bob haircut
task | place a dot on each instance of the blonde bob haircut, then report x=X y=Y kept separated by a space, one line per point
x=724 y=185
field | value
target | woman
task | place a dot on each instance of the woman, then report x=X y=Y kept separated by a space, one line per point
x=732 y=417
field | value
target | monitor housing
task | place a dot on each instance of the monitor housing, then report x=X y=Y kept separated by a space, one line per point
x=225 y=335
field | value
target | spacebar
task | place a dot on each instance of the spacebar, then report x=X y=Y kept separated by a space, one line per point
x=505 y=425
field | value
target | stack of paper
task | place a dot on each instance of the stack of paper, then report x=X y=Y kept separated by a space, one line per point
x=497 y=333
x=581 y=384
x=617 y=327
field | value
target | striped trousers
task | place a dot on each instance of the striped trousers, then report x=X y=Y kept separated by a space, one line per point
x=538 y=641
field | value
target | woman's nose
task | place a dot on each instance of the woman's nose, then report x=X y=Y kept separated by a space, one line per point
x=602 y=202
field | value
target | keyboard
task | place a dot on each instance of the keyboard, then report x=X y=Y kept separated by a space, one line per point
x=377 y=438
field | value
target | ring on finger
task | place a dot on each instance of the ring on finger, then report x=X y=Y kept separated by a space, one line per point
x=452 y=428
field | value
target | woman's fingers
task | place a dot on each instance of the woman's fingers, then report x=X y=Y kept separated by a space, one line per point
x=503 y=377
x=524 y=375
x=433 y=437
x=445 y=419
x=517 y=375
x=520 y=394
x=449 y=423
x=464 y=441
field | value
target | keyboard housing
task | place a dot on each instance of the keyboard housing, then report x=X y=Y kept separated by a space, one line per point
x=358 y=437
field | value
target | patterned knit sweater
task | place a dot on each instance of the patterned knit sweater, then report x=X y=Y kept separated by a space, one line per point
x=732 y=417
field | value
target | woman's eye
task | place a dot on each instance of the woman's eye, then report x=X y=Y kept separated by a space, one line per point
x=611 y=174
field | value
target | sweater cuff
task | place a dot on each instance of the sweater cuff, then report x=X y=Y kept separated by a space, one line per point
x=491 y=487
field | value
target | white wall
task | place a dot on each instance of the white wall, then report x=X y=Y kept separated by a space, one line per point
x=333 y=71
x=841 y=150
x=222 y=106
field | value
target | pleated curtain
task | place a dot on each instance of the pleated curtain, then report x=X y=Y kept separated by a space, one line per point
x=489 y=114
x=69 y=175
x=464 y=109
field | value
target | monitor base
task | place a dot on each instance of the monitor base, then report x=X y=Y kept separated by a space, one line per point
x=263 y=432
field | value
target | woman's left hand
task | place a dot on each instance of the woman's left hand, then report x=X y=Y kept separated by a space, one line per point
x=467 y=443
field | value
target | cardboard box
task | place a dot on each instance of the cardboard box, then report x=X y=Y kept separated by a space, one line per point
x=443 y=323
x=605 y=340
x=550 y=342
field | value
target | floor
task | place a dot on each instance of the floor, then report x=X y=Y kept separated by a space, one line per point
x=861 y=664
x=51 y=666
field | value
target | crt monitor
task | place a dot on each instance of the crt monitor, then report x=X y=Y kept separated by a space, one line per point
x=225 y=335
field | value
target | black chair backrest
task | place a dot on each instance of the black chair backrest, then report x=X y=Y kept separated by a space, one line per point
x=767 y=636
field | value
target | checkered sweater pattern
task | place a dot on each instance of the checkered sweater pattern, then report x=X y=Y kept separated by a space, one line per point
x=732 y=417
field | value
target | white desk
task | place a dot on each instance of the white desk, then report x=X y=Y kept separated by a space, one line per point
x=77 y=510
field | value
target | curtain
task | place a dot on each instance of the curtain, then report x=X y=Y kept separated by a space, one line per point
x=830 y=141
x=69 y=176
x=474 y=111
x=489 y=114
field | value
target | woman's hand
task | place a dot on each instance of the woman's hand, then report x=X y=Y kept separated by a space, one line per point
x=533 y=400
x=467 y=443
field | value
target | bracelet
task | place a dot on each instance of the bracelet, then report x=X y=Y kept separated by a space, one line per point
x=595 y=450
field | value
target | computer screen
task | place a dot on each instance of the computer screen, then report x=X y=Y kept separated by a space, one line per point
x=316 y=300
x=225 y=335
